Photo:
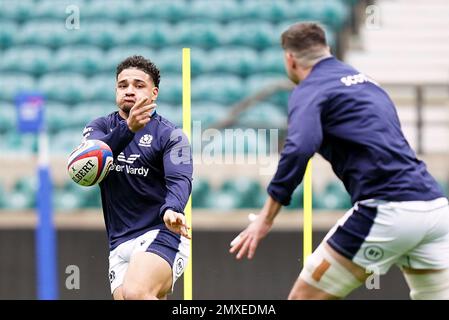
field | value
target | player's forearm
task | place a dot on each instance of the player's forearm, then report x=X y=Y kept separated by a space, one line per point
x=270 y=209
x=117 y=139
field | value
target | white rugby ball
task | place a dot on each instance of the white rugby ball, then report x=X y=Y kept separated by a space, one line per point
x=90 y=162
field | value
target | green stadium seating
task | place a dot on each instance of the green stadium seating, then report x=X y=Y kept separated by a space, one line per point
x=116 y=55
x=153 y=35
x=272 y=61
x=224 y=89
x=263 y=115
x=12 y=83
x=170 y=90
x=17 y=200
x=104 y=34
x=221 y=201
x=297 y=200
x=66 y=87
x=215 y=10
x=241 y=61
x=274 y=11
x=246 y=191
x=49 y=33
x=258 y=35
x=169 y=60
x=8 y=33
x=208 y=113
x=7 y=117
x=82 y=59
x=34 y=60
x=17 y=10
x=202 y=34
x=58 y=117
x=102 y=87
x=65 y=141
x=334 y=197
x=20 y=143
x=200 y=192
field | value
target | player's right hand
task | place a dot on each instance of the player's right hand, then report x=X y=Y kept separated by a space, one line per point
x=176 y=222
x=139 y=115
x=247 y=241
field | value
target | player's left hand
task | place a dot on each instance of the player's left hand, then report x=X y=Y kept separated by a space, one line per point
x=176 y=222
x=248 y=240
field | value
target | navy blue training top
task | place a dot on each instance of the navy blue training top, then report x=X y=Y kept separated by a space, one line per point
x=351 y=121
x=152 y=172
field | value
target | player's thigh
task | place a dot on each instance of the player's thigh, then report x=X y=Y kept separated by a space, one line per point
x=148 y=275
x=327 y=275
x=118 y=293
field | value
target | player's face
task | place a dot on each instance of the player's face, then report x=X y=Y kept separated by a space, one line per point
x=290 y=67
x=132 y=85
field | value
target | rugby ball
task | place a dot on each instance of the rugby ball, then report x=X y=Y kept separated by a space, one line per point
x=90 y=162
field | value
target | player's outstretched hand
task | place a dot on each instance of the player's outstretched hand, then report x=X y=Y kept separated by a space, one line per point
x=139 y=115
x=248 y=240
x=176 y=222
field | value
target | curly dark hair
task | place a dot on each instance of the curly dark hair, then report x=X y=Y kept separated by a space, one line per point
x=143 y=64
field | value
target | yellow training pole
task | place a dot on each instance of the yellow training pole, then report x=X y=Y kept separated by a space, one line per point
x=307 y=226
x=186 y=125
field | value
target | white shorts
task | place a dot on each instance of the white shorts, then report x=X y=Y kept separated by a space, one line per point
x=376 y=234
x=173 y=248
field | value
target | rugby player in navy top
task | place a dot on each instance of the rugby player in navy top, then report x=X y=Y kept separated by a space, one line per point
x=399 y=216
x=145 y=193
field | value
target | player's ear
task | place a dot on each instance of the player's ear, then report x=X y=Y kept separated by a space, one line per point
x=154 y=93
x=290 y=60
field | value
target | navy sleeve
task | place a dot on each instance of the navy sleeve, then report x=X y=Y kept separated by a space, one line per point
x=178 y=170
x=304 y=137
x=117 y=139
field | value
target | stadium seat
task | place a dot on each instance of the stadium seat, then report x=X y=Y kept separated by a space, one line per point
x=247 y=191
x=17 y=200
x=13 y=83
x=7 y=117
x=153 y=35
x=58 y=117
x=170 y=90
x=35 y=60
x=115 y=55
x=241 y=61
x=50 y=33
x=83 y=59
x=8 y=33
x=221 y=201
x=263 y=115
x=260 y=81
x=297 y=198
x=208 y=113
x=65 y=87
x=215 y=10
x=258 y=35
x=102 y=88
x=17 y=10
x=104 y=34
x=200 y=192
x=65 y=141
x=334 y=197
x=271 y=60
x=169 y=60
x=20 y=143
x=202 y=34
x=273 y=11
x=171 y=11
x=224 y=89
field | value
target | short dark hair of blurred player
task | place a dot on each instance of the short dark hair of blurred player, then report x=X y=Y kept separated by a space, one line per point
x=400 y=216
x=145 y=193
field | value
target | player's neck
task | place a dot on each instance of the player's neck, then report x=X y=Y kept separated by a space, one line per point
x=123 y=114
